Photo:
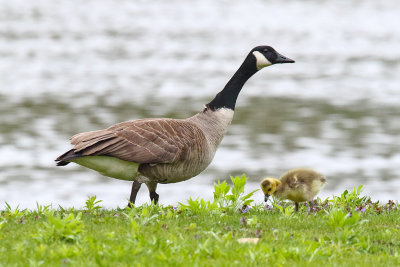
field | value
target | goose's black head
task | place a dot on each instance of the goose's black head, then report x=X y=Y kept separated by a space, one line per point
x=266 y=56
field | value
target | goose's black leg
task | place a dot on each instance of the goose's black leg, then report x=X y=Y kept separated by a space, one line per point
x=152 y=186
x=135 y=188
x=154 y=197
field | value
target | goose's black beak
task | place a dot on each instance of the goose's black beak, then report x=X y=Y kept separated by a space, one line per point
x=282 y=59
x=266 y=197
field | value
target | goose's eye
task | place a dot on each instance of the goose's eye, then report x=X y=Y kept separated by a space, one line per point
x=265 y=50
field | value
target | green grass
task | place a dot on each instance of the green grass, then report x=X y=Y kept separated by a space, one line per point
x=347 y=230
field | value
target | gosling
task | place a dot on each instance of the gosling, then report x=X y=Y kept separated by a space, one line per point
x=298 y=185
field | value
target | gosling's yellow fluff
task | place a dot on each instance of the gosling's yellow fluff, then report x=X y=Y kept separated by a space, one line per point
x=298 y=185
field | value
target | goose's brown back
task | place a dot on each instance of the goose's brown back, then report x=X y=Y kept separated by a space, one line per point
x=140 y=141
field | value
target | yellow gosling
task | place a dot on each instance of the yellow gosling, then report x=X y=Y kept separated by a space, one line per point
x=298 y=185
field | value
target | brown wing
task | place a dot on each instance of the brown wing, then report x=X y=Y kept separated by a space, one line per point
x=141 y=141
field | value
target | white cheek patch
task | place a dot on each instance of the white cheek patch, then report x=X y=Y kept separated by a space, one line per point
x=225 y=115
x=261 y=60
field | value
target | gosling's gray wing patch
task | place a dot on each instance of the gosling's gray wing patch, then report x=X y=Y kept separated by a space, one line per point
x=292 y=181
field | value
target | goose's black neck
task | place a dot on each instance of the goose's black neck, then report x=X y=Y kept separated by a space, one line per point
x=227 y=97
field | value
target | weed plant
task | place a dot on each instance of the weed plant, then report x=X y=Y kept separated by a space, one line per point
x=230 y=230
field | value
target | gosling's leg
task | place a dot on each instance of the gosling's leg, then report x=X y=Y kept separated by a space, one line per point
x=152 y=186
x=135 y=188
x=296 y=206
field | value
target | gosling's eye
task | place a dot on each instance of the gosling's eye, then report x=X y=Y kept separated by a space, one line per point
x=269 y=189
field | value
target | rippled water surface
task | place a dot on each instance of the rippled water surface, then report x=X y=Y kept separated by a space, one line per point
x=70 y=66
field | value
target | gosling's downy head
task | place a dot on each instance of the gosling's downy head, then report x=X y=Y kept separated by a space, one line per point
x=268 y=186
x=266 y=56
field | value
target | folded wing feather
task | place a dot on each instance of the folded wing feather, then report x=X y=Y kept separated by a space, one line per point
x=141 y=141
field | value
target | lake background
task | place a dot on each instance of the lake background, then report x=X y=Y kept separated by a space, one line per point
x=70 y=66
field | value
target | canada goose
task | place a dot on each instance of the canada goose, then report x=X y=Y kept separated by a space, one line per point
x=153 y=151
x=298 y=185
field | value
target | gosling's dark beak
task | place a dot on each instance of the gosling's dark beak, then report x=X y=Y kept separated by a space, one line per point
x=266 y=197
x=283 y=59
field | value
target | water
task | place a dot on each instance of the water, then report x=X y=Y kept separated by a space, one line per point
x=73 y=66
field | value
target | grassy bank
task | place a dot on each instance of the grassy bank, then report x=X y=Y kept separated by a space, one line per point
x=347 y=230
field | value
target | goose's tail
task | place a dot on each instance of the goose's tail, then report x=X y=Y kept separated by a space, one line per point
x=65 y=158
